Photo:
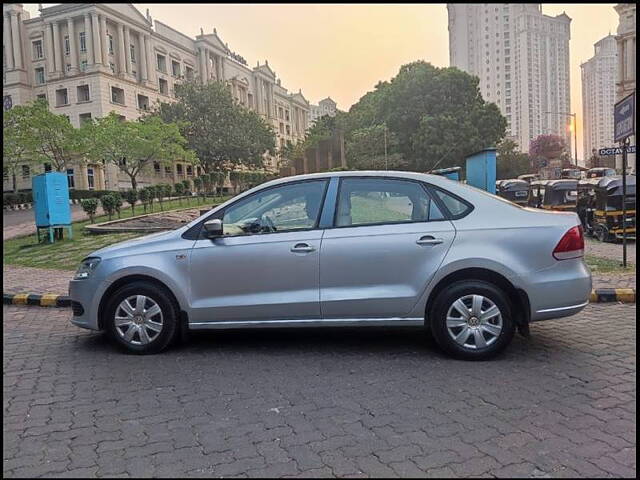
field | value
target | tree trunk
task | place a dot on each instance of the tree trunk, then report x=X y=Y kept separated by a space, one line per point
x=15 y=183
x=134 y=183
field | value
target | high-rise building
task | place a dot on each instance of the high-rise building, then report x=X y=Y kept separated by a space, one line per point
x=521 y=58
x=626 y=79
x=599 y=96
x=88 y=59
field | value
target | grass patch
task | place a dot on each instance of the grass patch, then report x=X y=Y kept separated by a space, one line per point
x=67 y=254
x=606 y=265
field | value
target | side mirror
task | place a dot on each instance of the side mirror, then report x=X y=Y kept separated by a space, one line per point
x=213 y=228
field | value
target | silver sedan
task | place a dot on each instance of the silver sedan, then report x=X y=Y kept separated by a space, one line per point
x=343 y=249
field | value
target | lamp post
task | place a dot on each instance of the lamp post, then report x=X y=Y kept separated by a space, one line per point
x=573 y=127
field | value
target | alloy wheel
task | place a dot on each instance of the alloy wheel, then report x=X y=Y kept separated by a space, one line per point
x=138 y=320
x=474 y=321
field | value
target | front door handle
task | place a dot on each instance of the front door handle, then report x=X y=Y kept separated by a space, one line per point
x=302 y=248
x=429 y=240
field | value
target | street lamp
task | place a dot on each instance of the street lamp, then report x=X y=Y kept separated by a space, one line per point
x=572 y=127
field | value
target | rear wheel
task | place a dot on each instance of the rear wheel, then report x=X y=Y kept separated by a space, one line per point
x=472 y=320
x=141 y=318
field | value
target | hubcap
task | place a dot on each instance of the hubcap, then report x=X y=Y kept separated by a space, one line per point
x=474 y=321
x=138 y=320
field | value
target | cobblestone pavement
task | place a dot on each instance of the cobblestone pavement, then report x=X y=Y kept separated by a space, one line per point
x=321 y=403
x=612 y=251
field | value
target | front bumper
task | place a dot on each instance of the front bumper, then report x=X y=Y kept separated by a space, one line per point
x=87 y=294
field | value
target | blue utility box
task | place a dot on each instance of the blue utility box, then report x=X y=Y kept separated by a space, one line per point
x=452 y=173
x=481 y=170
x=51 y=202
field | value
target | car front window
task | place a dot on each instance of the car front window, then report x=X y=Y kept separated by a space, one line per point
x=278 y=209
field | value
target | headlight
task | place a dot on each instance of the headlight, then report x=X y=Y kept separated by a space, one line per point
x=86 y=268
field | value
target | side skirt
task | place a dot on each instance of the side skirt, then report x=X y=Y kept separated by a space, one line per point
x=343 y=322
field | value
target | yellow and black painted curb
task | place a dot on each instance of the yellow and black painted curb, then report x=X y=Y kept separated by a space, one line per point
x=37 y=300
x=599 y=295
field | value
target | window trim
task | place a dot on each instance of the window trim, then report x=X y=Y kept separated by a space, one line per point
x=443 y=206
x=445 y=212
x=195 y=232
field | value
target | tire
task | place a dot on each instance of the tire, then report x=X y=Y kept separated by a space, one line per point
x=151 y=332
x=478 y=339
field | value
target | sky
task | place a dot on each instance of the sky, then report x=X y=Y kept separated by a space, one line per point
x=343 y=50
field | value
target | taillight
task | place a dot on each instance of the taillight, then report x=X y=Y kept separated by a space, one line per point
x=571 y=245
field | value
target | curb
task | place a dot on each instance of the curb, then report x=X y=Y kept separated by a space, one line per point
x=36 y=300
x=602 y=295
x=599 y=295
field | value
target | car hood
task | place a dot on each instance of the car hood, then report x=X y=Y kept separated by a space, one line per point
x=131 y=246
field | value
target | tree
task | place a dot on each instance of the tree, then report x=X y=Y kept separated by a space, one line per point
x=222 y=132
x=134 y=146
x=145 y=197
x=117 y=202
x=179 y=189
x=90 y=206
x=108 y=202
x=167 y=189
x=366 y=149
x=15 y=142
x=218 y=178
x=549 y=147
x=132 y=197
x=235 y=178
x=510 y=161
x=197 y=185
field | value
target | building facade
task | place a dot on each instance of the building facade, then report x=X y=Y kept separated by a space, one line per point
x=599 y=96
x=521 y=58
x=87 y=60
x=325 y=106
x=626 y=79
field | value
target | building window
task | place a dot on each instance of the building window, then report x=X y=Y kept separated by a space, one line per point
x=110 y=43
x=179 y=168
x=62 y=97
x=164 y=86
x=84 y=65
x=132 y=49
x=286 y=115
x=83 y=93
x=188 y=72
x=161 y=63
x=85 y=118
x=83 y=42
x=156 y=168
x=47 y=167
x=37 y=50
x=42 y=96
x=143 y=102
x=68 y=67
x=167 y=170
x=70 y=179
x=90 y=179
x=117 y=95
x=175 y=68
x=112 y=67
x=189 y=171
x=26 y=171
x=39 y=75
x=67 y=45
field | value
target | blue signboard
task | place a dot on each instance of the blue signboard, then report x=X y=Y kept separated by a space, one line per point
x=603 y=152
x=624 y=118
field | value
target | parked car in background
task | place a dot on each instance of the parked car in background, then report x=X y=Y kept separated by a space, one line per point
x=343 y=249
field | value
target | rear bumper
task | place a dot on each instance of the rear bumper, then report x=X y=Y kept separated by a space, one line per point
x=559 y=291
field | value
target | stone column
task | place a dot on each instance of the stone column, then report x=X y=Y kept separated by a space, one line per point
x=73 y=52
x=103 y=40
x=144 y=75
x=48 y=40
x=87 y=38
x=208 y=63
x=7 y=41
x=151 y=59
x=631 y=68
x=97 y=44
x=203 y=66
x=122 y=52
x=57 y=51
x=15 y=40
x=222 y=72
x=127 y=50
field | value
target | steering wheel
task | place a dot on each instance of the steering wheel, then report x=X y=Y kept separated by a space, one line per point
x=268 y=223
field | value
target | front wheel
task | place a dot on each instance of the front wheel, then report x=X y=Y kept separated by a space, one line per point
x=141 y=318
x=472 y=320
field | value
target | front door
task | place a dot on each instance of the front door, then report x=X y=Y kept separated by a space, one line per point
x=389 y=239
x=266 y=265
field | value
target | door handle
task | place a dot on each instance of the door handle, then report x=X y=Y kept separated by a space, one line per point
x=302 y=248
x=429 y=240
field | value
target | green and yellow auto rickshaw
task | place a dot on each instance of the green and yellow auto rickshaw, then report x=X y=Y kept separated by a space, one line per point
x=514 y=190
x=608 y=214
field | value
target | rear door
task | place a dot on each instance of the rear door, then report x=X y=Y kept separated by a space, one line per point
x=388 y=240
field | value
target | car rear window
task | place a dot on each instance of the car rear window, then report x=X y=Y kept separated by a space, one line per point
x=456 y=206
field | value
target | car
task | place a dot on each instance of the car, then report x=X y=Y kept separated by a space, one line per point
x=374 y=248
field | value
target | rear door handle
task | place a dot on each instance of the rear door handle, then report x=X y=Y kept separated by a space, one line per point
x=429 y=240
x=302 y=248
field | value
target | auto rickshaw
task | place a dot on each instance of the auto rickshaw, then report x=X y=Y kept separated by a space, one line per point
x=529 y=177
x=560 y=195
x=571 y=173
x=600 y=172
x=586 y=204
x=607 y=216
x=514 y=190
x=536 y=193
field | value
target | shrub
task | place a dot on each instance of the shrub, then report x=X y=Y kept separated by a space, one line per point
x=90 y=206
x=108 y=202
x=131 y=196
x=10 y=199
x=144 y=196
x=117 y=202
